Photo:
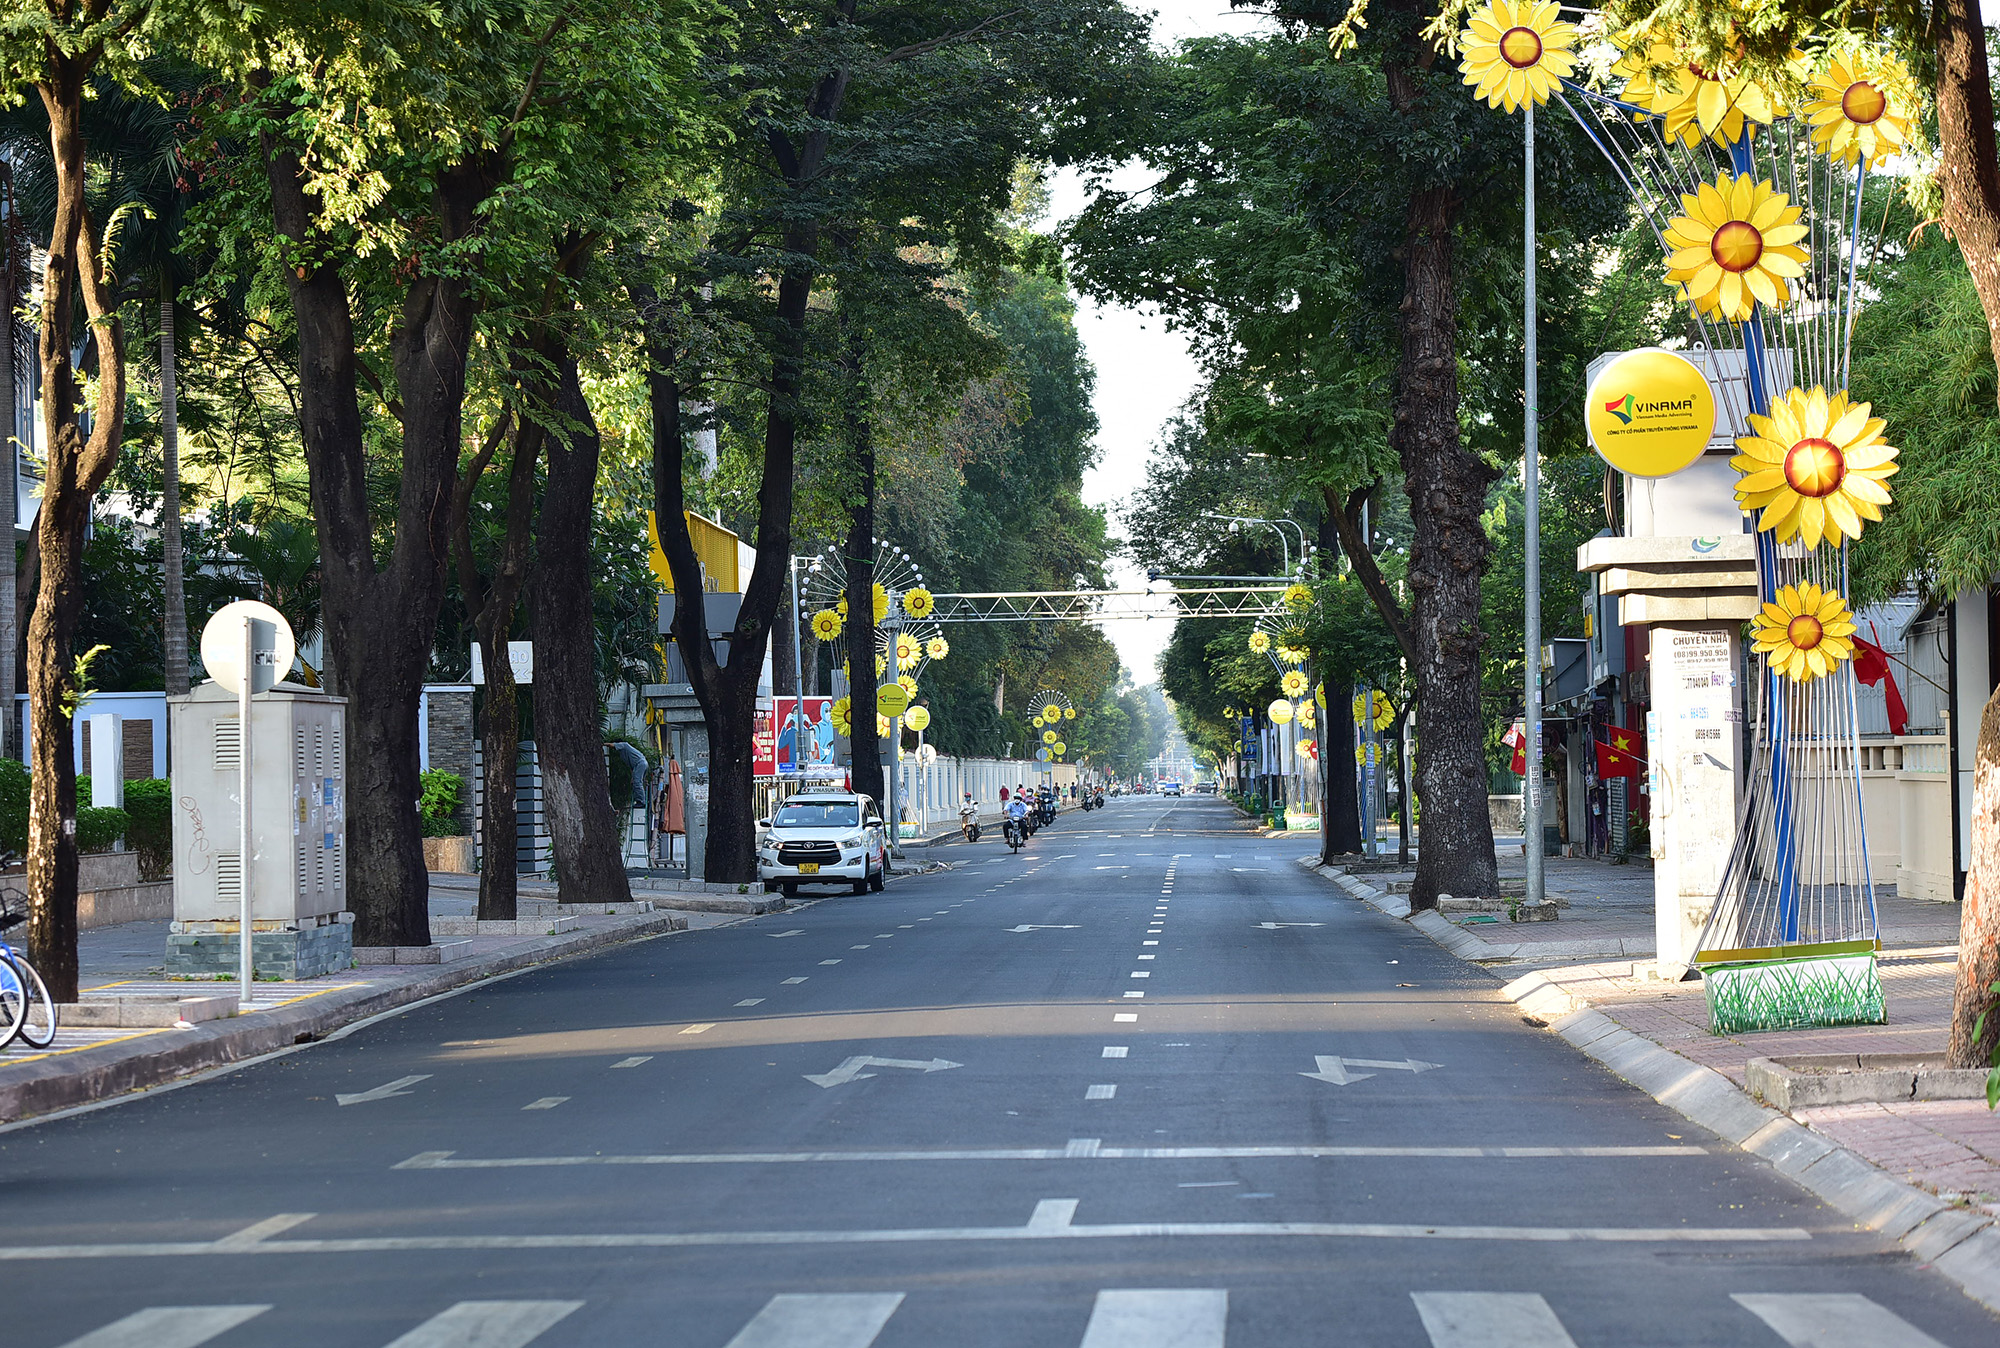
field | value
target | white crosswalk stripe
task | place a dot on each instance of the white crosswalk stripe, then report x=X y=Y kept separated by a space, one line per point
x=1834 y=1320
x=486 y=1324
x=168 y=1327
x=1158 y=1318
x=832 y=1320
x=1490 y=1320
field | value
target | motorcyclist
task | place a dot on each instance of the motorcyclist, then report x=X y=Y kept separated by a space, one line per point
x=1017 y=816
x=968 y=819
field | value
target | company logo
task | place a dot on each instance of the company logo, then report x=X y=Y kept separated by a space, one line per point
x=1706 y=545
x=1622 y=408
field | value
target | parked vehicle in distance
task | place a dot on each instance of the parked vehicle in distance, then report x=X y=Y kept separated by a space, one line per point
x=822 y=838
x=1170 y=788
x=1204 y=788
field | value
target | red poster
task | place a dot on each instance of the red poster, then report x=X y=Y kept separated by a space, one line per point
x=778 y=732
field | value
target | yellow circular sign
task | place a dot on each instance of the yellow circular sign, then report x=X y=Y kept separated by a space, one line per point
x=917 y=718
x=1650 y=413
x=1280 y=712
x=891 y=699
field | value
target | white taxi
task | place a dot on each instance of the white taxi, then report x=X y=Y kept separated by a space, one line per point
x=823 y=838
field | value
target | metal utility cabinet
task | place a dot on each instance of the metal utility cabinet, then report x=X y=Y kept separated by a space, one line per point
x=298 y=821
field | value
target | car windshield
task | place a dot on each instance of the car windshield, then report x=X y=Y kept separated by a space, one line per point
x=819 y=814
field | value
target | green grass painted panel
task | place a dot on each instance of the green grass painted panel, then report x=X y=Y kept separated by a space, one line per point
x=1793 y=994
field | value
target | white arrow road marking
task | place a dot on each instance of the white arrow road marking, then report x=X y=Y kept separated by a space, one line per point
x=1066 y=926
x=851 y=1069
x=1334 y=1071
x=396 y=1087
x=780 y=935
x=1273 y=926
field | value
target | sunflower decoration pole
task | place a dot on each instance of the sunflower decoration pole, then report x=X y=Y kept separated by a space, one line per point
x=1753 y=184
x=1514 y=56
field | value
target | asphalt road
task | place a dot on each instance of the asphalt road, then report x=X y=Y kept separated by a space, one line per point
x=1145 y=1085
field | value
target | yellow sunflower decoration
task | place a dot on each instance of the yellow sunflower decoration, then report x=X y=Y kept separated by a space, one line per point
x=1861 y=106
x=919 y=602
x=1385 y=710
x=1293 y=684
x=1694 y=102
x=1307 y=716
x=1805 y=632
x=1048 y=737
x=1298 y=597
x=1052 y=712
x=1069 y=713
x=1815 y=467
x=937 y=648
x=881 y=665
x=841 y=712
x=909 y=683
x=1260 y=642
x=1736 y=246
x=1039 y=723
x=1516 y=53
x=881 y=602
x=908 y=649
x=881 y=726
x=1280 y=711
x=826 y=624
x=1292 y=655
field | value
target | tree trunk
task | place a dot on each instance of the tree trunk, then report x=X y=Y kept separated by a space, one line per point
x=381 y=620
x=867 y=755
x=492 y=605
x=1340 y=818
x=77 y=467
x=1447 y=491
x=173 y=620
x=569 y=734
x=1967 y=167
x=1979 y=915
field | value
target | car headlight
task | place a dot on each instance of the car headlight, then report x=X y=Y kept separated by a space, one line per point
x=854 y=840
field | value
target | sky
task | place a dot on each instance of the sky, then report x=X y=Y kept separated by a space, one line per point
x=1144 y=373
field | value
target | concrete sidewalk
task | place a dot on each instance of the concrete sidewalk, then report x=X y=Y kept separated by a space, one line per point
x=1929 y=1172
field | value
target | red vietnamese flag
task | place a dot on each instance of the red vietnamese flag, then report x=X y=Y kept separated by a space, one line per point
x=1517 y=737
x=1616 y=758
x=1871 y=666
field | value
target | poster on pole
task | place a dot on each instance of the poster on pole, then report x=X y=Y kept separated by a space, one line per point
x=805 y=747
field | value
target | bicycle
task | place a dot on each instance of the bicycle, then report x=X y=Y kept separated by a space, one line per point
x=27 y=1012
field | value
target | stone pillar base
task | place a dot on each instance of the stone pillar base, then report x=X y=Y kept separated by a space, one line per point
x=278 y=951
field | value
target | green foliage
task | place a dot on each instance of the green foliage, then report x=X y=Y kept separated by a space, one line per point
x=14 y=806
x=438 y=803
x=150 y=805
x=98 y=828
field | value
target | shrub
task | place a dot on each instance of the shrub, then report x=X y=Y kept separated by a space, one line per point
x=97 y=829
x=151 y=835
x=439 y=803
x=14 y=806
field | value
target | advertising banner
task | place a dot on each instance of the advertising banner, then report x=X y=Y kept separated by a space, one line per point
x=778 y=736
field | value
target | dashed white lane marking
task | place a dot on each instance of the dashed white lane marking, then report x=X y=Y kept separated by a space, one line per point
x=825 y=962
x=880 y=935
x=623 y=1062
x=1490 y=1320
x=486 y=1324
x=1116 y=1050
x=907 y=927
x=168 y=1327
x=747 y=1001
x=780 y=935
x=1834 y=1320
x=852 y=947
x=1100 y=1093
x=1158 y=1318
x=546 y=1102
x=702 y=1028
x=1143 y=957
x=1208 y=1184
x=819 y=1320
x=1135 y=995
x=1142 y=973
x=1123 y=1017
x=788 y=981
x=1141 y=943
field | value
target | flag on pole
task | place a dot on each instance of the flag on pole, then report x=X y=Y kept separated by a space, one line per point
x=1516 y=739
x=1871 y=666
x=1616 y=759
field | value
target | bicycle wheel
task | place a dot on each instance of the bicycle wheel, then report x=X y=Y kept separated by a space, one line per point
x=13 y=1000
x=38 y=1024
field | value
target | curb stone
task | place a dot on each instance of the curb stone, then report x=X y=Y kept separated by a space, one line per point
x=89 y=1075
x=1962 y=1245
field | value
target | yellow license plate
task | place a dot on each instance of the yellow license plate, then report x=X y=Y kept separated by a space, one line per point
x=808 y=868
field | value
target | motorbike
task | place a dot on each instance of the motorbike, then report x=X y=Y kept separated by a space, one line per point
x=968 y=823
x=1013 y=831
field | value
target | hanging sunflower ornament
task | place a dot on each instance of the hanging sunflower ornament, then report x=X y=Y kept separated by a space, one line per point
x=1298 y=597
x=1260 y=642
x=1695 y=103
x=1860 y=107
x=919 y=602
x=1294 y=684
x=1292 y=655
x=1805 y=632
x=908 y=649
x=842 y=713
x=1815 y=467
x=937 y=648
x=908 y=682
x=1736 y=246
x=1516 y=53
x=826 y=624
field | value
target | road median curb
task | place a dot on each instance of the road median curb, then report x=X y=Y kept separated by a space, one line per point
x=102 y=1072
x=1962 y=1245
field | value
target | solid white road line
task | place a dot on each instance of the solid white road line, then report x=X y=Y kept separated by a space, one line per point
x=1101 y=1093
x=827 y=1320
x=1834 y=1320
x=1490 y=1320
x=445 y=1160
x=168 y=1327
x=486 y=1324
x=546 y=1102
x=1158 y=1318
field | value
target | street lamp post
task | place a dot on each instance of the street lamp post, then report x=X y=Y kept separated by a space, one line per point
x=1531 y=491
